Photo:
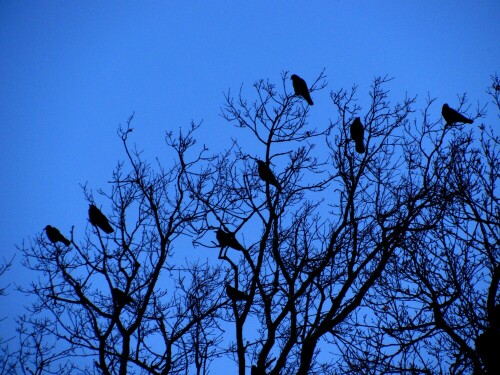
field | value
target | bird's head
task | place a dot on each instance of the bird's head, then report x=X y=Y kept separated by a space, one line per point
x=47 y=227
x=260 y=162
x=294 y=77
x=445 y=105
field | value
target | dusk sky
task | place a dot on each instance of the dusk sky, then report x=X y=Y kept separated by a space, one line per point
x=72 y=71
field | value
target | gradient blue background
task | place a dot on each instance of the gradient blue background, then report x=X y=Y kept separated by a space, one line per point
x=72 y=71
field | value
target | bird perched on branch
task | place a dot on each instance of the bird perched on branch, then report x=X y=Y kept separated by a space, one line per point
x=300 y=87
x=55 y=236
x=97 y=218
x=121 y=298
x=228 y=239
x=358 y=135
x=235 y=294
x=451 y=116
x=266 y=174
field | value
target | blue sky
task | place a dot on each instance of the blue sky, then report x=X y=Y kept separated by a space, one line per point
x=72 y=71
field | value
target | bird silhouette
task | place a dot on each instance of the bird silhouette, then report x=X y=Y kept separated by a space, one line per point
x=358 y=135
x=451 y=116
x=98 y=219
x=300 y=87
x=55 y=236
x=121 y=298
x=228 y=239
x=266 y=174
x=235 y=294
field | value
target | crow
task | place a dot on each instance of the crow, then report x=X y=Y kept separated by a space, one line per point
x=300 y=87
x=235 y=294
x=358 y=135
x=267 y=175
x=98 y=219
x=55 y=236
x=228 y=239
x=451 y=116
x=121 y=298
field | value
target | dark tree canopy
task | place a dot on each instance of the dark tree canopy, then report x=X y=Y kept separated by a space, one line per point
x=381 y=258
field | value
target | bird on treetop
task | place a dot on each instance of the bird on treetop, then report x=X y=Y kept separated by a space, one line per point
x=97 y=219
x=451 y=116
x=300 y=87
x=55 y=236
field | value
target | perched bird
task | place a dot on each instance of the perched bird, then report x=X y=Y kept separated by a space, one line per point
x=55 y=236
x=98 y=219
x=121 y=298
x=451 y=116
x=358 y=135
x=267 y=175
x=228 y=239
x=235 y=294
x=300 y=87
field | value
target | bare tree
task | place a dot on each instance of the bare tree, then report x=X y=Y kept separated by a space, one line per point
x=437 y=305
x=119 y=299
x=321 y=240
x=331 y=260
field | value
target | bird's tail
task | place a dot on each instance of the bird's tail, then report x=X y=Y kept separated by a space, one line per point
x=309 y=101
x=360 y=147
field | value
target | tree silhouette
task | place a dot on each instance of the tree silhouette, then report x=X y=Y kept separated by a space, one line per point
x=378 y=262
x=436 y=301
x=108 y=297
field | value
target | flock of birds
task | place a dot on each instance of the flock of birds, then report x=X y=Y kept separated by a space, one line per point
x=228 y=239
x=450 y=115
x=96 y=218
